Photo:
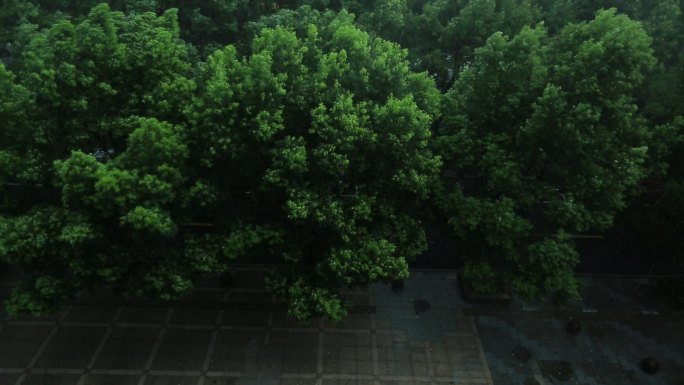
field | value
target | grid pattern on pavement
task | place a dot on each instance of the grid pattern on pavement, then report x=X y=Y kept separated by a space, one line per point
x=242 y=337
x=624 y=320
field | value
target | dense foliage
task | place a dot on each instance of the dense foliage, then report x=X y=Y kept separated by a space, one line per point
x=314 y=142
x=145 y=143
x=323 y=133
x=549 y=142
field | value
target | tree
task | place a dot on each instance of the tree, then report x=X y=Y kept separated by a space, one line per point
x=312 y=146
x=205 y=25
x=12 y=14
x=319 y=135
x=541 y=139
x=387 y=18
x=558 y=13
x=91 y=167
x=648 y=231
x=443 y=35
x=17 y=159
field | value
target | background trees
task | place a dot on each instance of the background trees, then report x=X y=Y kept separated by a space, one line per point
x=442 y=35
x=204 y=25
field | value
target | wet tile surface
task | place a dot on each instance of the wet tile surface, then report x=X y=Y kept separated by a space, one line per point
x=240 y=336
x=51 y=379
x=71 y=347
x=111 y=379
x=127 y=348
x=182 y=349
x=615 y=336
x=19 y=344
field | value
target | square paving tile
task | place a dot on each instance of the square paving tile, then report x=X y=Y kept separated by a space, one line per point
x=250 y=301
x=182 y=349
x=104 y=297
x=222 y=381
x=71 y=348
x=18 y=344
x=7 y=378
x=292 y=338
x=298 y=381
x=245 y=318
x=339 y=339
x=194 y=316
x=198 y=297
x=362 y=299
x=153 y=315
x=463 y=325
x=51 y=379
x=172 y=380
x=441 y=369
x=232 y=347
x=395 y=368
x=300 y=350
x=111 y=379
x=266 y=364
x=127 y=348
x=396 y=352
x=351 y=321
x=347 y=353
x=361 y=353
x=407 y=382
x=465 y=343
x=347 y=367
x=420 y=369
x=336 y=381
x=282 y=320
x=90 y=314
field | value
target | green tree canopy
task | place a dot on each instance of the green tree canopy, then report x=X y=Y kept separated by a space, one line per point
x=137 y=149
x=442 y=35
x=541 y=138
x=320 y=134
x=91 y=171
x=312 y=146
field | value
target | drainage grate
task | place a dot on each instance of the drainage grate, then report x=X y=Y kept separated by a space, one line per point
x=421 y=305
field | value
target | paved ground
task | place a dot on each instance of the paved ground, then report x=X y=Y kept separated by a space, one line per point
x=242 y=337
x=623 y=321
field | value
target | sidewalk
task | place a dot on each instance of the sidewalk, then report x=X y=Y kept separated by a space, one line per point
x=242 y=337
x=624 y=320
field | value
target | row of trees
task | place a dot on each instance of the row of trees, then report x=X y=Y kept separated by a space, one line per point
x=144 y=145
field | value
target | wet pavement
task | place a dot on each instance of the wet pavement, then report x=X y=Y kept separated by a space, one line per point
x=425 y=334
